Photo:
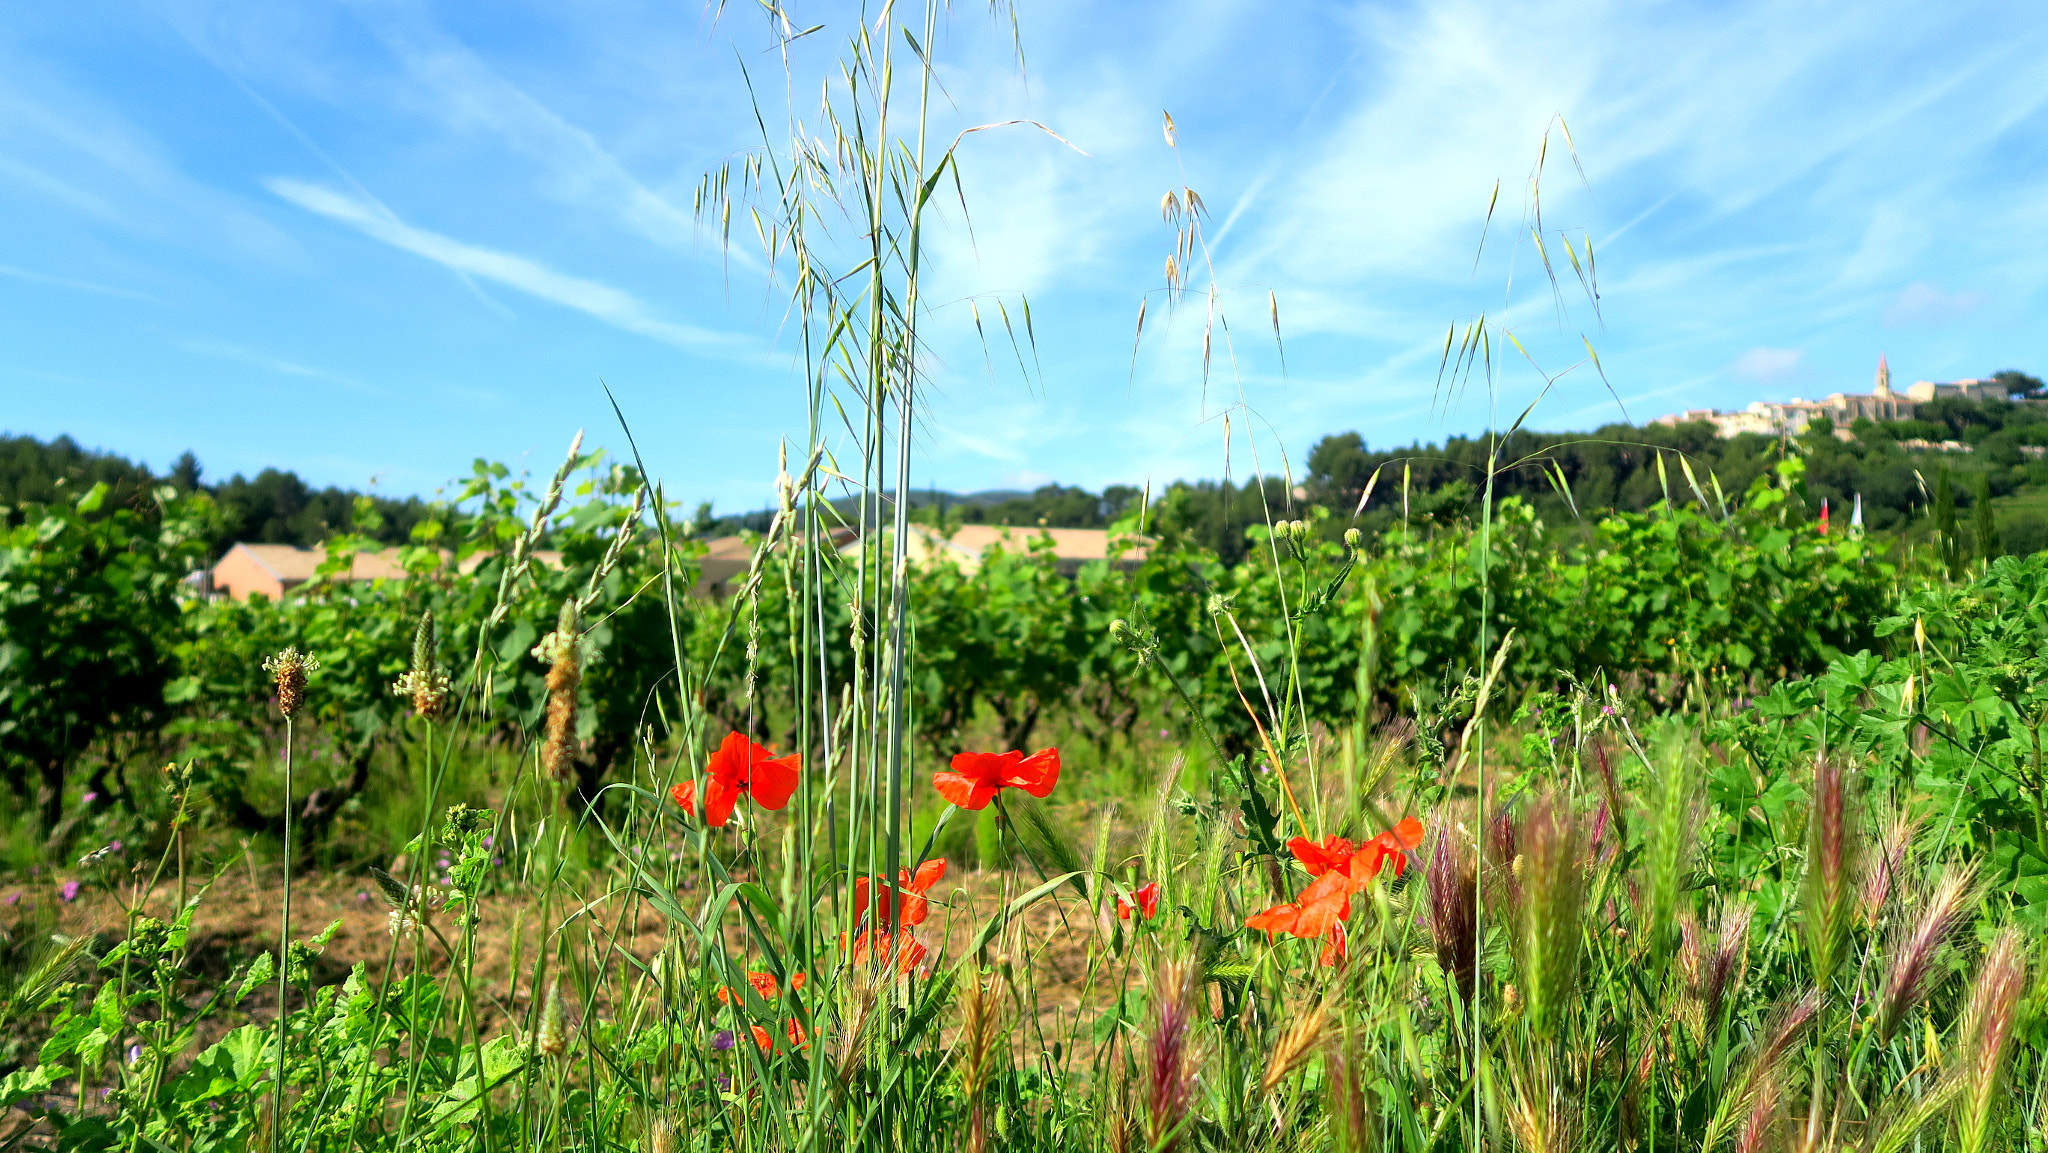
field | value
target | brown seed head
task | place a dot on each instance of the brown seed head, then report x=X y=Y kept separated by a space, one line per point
x=1450 y=880
x=1294 y=1048
x=1170 y=1055
x=562 y=649
x=1915 y=946
x=288 y=671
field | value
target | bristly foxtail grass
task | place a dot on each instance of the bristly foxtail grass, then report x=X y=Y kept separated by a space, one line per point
x=1881 y=878
x=1449 y=877
x=1669 y=859
x=1916 y=945
x=1553 y=906
x=1831 y=844
x=1171 y=1060
x=1992 y=1022
x=1762 y=1077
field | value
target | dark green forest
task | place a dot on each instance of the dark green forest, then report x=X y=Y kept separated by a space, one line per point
x=276 y=507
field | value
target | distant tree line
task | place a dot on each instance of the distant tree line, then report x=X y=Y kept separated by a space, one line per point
x=275 y=507
x=1564 y=476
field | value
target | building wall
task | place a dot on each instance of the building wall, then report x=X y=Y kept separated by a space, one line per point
x=239 y=574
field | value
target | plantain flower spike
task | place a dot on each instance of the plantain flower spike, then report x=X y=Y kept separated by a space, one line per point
x=288 y=669
x=563 y=651
x=425 y=682
x=552 y=1037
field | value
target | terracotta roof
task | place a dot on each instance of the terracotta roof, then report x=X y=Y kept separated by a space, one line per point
x=292 y=564
x=1080 y=544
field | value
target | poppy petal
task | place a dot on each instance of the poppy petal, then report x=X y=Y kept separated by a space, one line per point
x=1336 y=947
x=685 y=794
x=772 y=780
x=915 y=909
x=1148 y=900
x=962 y=790
x=928 y=874
x=985 y=768
x=729 y=761
x=1408 y=834
x=1038 y=773
x=912 y=952
x=1278 y=919
x=719 y=798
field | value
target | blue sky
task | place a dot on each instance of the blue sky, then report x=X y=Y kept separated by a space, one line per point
x=378 y=239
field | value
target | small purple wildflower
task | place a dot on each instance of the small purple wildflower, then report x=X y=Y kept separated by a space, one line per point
x=134 y=1054
x=721 y=1041
x=69 y=891
x=362 y=896
x=89 y=797
x=724 y=1082
x=1607 y=710
x=14 y=898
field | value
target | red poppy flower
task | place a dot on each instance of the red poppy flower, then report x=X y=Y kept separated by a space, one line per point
x=874 y=944
x=1392 y=845
x=976 y=778
x=792 y=1029
x=1326 y=902
x=765 y=984
x=685 y=794
x=742 y=767
x=913 y=888
x=1148 y=903
x=1360 y=862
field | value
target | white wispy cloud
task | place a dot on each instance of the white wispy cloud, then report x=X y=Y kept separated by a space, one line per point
x=613 y=306
x=70 y=282
x=225 y=350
